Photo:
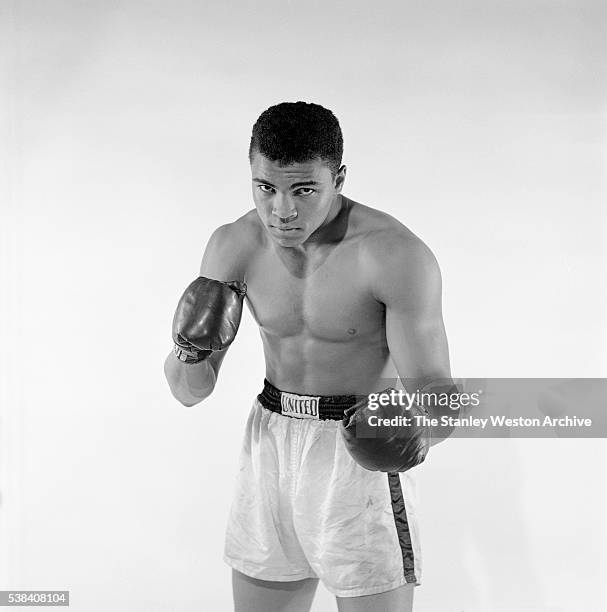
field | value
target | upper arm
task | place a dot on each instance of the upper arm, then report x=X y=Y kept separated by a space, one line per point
x=224 y=255
x=223 y=260
x=407 y=281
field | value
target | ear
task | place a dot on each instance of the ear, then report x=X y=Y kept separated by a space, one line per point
x=340 y=178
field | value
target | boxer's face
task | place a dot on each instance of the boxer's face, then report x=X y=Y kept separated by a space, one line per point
x=293 y=201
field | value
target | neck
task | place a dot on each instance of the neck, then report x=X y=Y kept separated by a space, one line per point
x=332 y=228
x=336 y=208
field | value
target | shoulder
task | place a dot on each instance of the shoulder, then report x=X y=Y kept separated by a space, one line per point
x=230 y=247
x=241 y=234
x=386 y=242
x=394 y=257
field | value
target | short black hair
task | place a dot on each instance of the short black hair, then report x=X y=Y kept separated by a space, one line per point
x=293 y=132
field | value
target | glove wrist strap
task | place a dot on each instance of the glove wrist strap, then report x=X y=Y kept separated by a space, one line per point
x=189 y=356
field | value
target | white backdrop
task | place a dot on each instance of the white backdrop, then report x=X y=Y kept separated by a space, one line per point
x=125 y=127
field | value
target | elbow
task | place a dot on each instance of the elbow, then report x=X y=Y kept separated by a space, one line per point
x=188 y=403
x=186 y=398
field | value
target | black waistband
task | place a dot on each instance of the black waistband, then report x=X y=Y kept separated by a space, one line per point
x=329 y=406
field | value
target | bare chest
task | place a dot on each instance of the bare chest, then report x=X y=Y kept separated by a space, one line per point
x=327 y=300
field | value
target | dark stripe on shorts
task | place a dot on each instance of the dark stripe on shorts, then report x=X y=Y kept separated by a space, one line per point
x=402 y=526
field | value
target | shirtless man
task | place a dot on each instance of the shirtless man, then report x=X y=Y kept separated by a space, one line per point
x=344 y=295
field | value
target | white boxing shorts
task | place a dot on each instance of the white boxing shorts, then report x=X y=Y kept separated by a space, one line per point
x=303 y=508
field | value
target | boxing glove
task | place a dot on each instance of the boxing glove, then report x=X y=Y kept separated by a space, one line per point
x=207 y=318
x=394 y=447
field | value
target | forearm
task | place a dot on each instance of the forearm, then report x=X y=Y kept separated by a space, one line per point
x=189 y=383
x=441 y=401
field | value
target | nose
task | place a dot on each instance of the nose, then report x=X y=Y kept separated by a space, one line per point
x=288 y=219
x=283 y=209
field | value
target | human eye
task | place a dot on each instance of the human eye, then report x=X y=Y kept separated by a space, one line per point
x=305 y=191
x=266 y=188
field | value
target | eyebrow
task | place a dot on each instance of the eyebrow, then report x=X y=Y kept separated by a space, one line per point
x=293 y=186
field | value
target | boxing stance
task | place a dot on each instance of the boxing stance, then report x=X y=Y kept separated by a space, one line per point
x=344 y=296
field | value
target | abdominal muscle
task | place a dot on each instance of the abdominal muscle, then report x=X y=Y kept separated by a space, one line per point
x=310 y=366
